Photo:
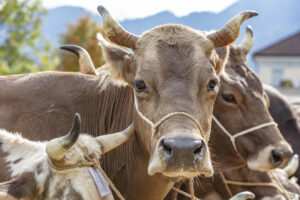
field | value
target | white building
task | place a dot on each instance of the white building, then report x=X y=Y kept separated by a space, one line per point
x=279 y=64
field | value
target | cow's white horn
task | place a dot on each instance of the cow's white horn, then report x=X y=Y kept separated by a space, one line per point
x=248 y=40
x=114 y=31
x=293 y=165
x=111 y=141
x=58 y=147
x=231 y=30
x=243 y=196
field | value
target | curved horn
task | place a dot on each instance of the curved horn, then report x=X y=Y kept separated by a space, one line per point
x=293 y=165
x=231 y=29
x=114 y=31
x=85 y=62
x=58 y=147
x=243 y=196
x=248 y=40
x=111 y=141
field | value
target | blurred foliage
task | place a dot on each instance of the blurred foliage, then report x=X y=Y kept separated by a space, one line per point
x=22 y=49
x=82 y=33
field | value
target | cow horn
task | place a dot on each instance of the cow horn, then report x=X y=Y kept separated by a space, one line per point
x=293 y=165
x=85 y=62
x=111 y=141
x=58 y=147
x=114 y=31
x=243 y=196
x=231 y=29
x=248 y=40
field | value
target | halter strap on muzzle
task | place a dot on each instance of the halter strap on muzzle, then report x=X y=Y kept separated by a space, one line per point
x=154 y=126
x=244 y=132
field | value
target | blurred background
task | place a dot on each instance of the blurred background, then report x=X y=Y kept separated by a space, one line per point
x=31 y=31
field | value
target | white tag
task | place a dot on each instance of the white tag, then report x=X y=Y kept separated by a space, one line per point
x=100 y=182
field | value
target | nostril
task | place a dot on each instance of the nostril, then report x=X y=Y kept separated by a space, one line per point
x=166 y=148
x=277 y=156
x=198 y=151
x=198 y=148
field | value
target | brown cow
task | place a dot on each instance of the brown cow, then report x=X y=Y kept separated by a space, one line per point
x=237 y=106
x=48 y=170
x=240 y=105
x=172 y=70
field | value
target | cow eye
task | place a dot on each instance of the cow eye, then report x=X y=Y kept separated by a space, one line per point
x=229 y=98
x=140 y=86
x=212 y=84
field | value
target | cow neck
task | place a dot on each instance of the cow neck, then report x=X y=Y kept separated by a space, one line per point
x=275 y=183
x=155 y=125
x=89 y=161
x=233 y=137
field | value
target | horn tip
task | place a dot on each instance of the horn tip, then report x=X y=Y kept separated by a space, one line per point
x=250 y=13
x=243 y=196
x=72 y=48
x=76 y=122
x=77 y=119
x=249 y=30
x=102 y=10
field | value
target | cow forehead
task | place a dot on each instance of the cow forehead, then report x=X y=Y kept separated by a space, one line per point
x=243 y=78
x=172 y=34
x=173 y=50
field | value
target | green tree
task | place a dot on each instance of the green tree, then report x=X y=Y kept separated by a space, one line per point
x=22 y=49
x=82 y=33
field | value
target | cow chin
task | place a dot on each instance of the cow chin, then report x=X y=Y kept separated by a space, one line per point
x=158 y=164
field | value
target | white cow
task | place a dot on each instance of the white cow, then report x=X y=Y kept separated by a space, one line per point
x=50 y=170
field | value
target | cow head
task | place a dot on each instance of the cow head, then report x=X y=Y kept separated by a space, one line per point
x=242 y=104
x=173 y=71
x=47 y=170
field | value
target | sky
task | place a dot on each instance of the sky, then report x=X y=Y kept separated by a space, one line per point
x=130 y=9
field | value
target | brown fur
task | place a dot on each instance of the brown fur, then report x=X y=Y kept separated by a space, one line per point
x=247 y=89
x=23 y=186
x=126 y=165
x=4 y=175
x=284 y=115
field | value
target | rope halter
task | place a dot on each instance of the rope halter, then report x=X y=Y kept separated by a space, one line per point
x=244 y=132
x=89 y=161
x=154 y=126
x=275 y=183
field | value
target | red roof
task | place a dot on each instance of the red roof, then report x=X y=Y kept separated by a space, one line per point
x=289 y=46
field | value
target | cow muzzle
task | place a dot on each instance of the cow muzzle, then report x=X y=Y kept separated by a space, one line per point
x=181 y=156
x=271 y=157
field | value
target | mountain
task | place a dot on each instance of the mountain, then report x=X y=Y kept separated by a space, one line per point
x=277 y=19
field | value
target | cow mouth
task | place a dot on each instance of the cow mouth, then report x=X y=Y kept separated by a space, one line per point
x=188 y=174
x=180 y=173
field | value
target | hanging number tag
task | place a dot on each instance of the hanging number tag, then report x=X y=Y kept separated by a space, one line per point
x=100 y=182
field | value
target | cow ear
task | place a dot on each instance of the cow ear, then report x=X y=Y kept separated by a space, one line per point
x=220 y=59
x=119 y=64
x=21 y=187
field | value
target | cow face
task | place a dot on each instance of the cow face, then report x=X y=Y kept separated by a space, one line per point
x=172 y=69
x=49 y=170
x=240 y=105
